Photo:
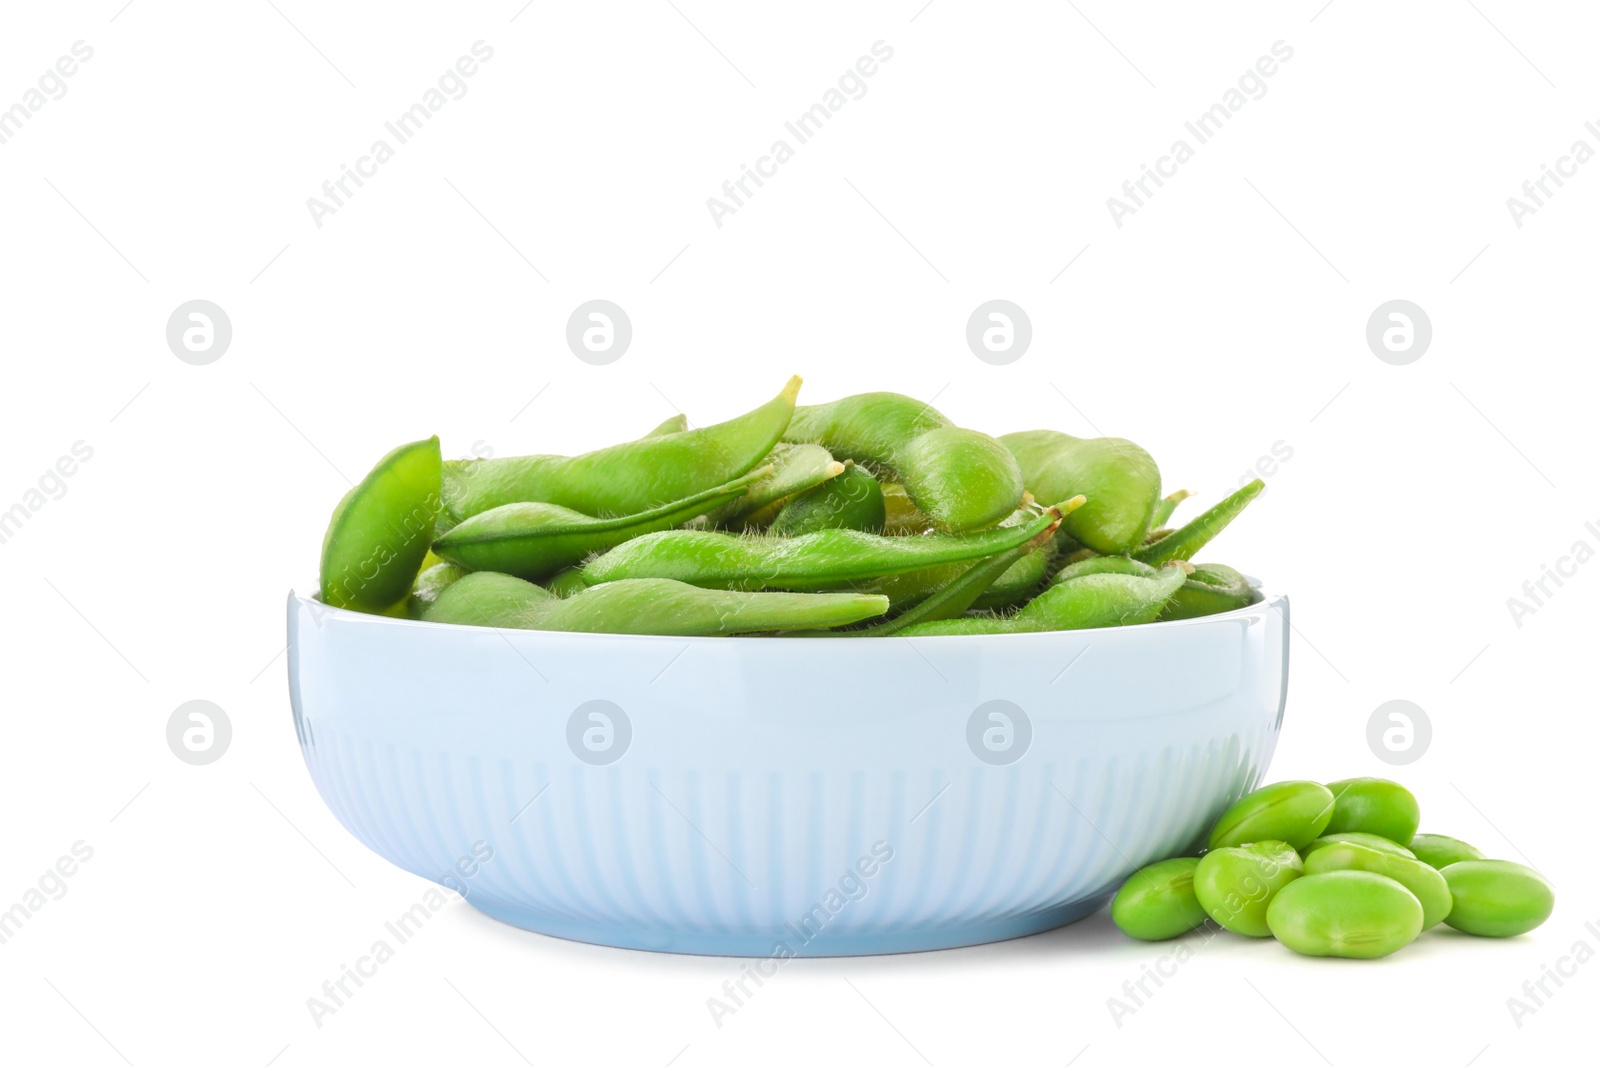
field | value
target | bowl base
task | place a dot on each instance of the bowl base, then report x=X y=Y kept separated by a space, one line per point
x=783 y=943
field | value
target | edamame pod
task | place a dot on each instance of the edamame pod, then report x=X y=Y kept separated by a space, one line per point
x=1086 y=603
x=1104 y=565
x=1425 y=883
x=900 y=515
x=531 y=540
x=644 y=606
x=795 y=469
x=626 y=478
x=1158 y=902
x=1296 y=812
x=1212 y=588
x=1119 y=478
x=1437 y=850
x=826 y=559
x=1374 y=806
x=1190 y=538
x=1497 y=898
x=1020 y=581
x=1236 y=885
x=672 y=424
x=378 y=535
x=961 y=479
x=1352 y=914
x=429 y=584
x=851 y=501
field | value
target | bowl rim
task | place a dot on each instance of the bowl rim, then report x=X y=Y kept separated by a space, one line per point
x=1267 y=600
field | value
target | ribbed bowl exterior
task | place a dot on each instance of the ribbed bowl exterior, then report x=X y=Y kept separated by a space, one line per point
x=784 y=796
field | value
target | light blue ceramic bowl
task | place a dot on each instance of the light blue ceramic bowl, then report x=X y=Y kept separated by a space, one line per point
x=763 y=796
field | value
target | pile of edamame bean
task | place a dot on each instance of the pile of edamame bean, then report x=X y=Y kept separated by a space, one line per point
x=870 y=515
x=1332 y=870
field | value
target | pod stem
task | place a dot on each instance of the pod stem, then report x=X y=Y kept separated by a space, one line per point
x=1190 y=538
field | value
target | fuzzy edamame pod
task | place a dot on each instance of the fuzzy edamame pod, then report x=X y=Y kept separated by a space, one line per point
x=1119 y=478
x=1020 y=581
x=532 y=540
x=1194 y=535
x=644 y=606
x=378 y=535
x=795 y=469
x=961 y=479
x=1212 y=588
x=672 y=424
x=565 y=582
x=852 y=501
x=1090 y=602
x=827 y=559
x=429 y=584
x=625 y=478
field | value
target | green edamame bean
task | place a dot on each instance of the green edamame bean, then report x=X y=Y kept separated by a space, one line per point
x=1119 y=478
x=1425 y=883
x=531 y=540
x=644 y=606
x=1090 y=602
x=961 y=479
x=378 y=535
x=1190 y=538
x=429 y=584
x=816 y=561
x=672 y=424
x=1382 y=844
x=1212 y=588
x=851 y=501
x=1166 y=506
x=795 y=469
x=1350 y=914
x=1296 y=812
x=1374 y=806
x=1497 y=898
x=1437 y=850
x=1236 y=885
x=1158 y=902
x=625 y=478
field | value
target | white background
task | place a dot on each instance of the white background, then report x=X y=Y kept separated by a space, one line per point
x=1226 y=316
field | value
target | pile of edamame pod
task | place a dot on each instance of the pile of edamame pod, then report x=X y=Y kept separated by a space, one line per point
x=1332 y=870
x=867 y=516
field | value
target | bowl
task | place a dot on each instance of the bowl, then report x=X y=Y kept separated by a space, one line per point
x=770 y=796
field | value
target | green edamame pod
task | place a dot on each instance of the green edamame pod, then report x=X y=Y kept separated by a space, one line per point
x=1497 y=898
x=968 y=588
x=1166 y=506
x=1439 y=851
x=1104 y=565
x=1158 y=902
x=1190 y=538
x=1119 y=478
x=1089 y=602
x=1212 y=588
x=531 y=540
x=1020 y=581
x=378 y=535
x=827 y=559
x=961 y=479
x=565 y=582
x=644 y=606
x=672 y=424
x=795 y=469
x=900 y=516
x=852 y=501
x=1425 y=883
x=1350 y=914
x=626 y=478
x=429 y=584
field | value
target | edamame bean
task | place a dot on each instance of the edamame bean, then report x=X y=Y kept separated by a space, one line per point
x=961 y=479
x=1351 y=914
x=1374 y=806
x=1119 y=478
x=1497 y=898
x=532 y=540
x=429 y=584
x=1158 y=902
x=1382 y=844
x=851 y=501
x=644 y=606
x=1090 y=602
x=823 y=560
x=378 y=535
x=1425 y=883
x=1190 y=538
x=1212 y=588
x=625 y=478
x=1437 y=850
x=1296 y=812
x=1236 y=884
